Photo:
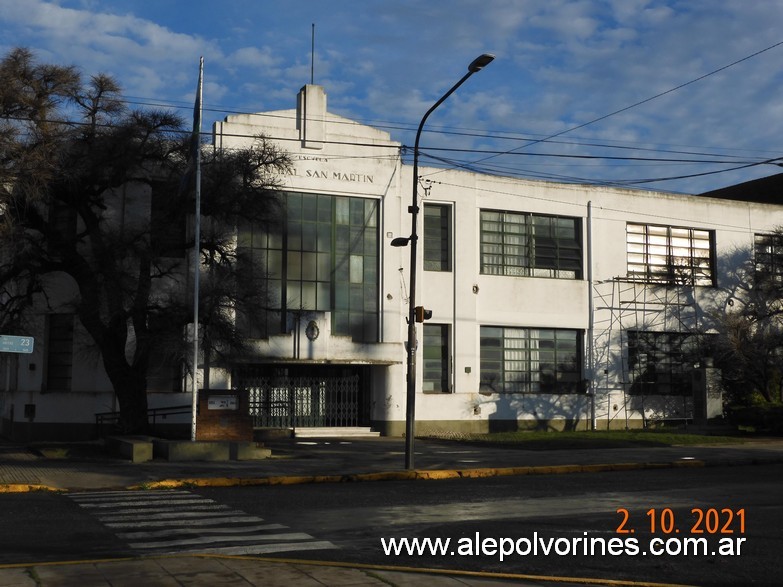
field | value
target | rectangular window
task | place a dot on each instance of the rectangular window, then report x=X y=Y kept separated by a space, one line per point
x=436 y=358
x=323 y=258
x=660 y=363
x=59 y=352
x=534 y=360
x=437 y=237
x=768 y=258
x=167 y=225
x=165 y=371
x=670 y=255
x=530 y=245
x=62 y=226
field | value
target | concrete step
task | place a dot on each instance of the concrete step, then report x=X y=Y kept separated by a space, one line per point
x=336 y=432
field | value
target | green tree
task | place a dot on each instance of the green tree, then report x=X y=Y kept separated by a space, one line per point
x=93 y=201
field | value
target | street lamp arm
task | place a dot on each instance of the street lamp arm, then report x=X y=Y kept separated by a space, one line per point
x=476 y=65
x=410 y=404
x=442 y=99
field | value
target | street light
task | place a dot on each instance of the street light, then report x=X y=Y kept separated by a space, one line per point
x=410 y=409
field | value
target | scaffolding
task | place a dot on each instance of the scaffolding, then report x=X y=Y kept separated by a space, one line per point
x=622 y=305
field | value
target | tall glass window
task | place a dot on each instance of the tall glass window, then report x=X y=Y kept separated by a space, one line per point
x=530 y=245
x=325 y=259
x=59 y=352
x=436 y=358
x=536 y=360
x=437 y=237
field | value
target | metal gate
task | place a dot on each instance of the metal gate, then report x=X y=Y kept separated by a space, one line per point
x=292 y=402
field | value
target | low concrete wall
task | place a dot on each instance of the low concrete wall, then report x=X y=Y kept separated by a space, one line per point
x=185 y=450
x=138 y=449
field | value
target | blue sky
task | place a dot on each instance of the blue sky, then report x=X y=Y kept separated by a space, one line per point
x=561 y=64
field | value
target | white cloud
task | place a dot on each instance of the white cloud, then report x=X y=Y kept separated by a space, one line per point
x=144 y=56
x=559 y=63
x=252 y=56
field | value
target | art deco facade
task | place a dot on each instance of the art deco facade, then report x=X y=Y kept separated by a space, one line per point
x=553 y=305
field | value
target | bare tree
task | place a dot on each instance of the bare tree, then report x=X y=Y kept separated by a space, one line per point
x=749 y=345
x=92 y=200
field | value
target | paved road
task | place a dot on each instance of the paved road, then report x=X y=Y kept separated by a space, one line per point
x=183 y=522
x=345 y=522
x=356 y=517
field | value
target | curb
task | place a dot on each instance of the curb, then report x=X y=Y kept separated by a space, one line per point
x=27 y=488
x=414 y=475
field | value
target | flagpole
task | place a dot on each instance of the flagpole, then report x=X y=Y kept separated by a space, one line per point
x=196 y=138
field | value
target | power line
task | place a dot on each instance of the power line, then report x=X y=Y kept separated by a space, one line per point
x=471 y=166
x=651 y=98
x=493 y=135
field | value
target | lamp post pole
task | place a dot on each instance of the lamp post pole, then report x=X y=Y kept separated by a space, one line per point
x=410 y=407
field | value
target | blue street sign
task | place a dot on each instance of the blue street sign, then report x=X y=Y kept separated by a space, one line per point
x=16 y=344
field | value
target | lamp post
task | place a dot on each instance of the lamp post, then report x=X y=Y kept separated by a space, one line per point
x=410 y=408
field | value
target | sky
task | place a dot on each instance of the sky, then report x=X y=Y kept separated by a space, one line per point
x=619 y=92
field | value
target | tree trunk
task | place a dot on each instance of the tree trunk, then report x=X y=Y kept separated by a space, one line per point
x=131 y=390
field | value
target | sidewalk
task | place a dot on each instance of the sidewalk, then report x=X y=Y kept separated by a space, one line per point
x=309 y=461
x=214 y=571
x=334 y=460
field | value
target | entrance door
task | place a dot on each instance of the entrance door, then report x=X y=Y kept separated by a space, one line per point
x=300 y=396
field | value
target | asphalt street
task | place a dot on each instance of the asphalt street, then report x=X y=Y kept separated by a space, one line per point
x=318 y=511
x=346 y=522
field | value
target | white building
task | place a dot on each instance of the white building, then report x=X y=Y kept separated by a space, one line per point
x=553 y=305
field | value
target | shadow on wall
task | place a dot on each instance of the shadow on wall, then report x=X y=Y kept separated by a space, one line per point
x=748 y=347
x=653 y=373
x=541 y=412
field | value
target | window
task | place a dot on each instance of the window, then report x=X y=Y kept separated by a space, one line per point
x=530 y=245
x=536 y=360
x=59 y=352
x=768 y=258
x=167 y=225
x=325 y=258
x=660 y=363
x=670 y=255
x=436 y=358
x=62 y=226
x=437 y=237
x=164 y=373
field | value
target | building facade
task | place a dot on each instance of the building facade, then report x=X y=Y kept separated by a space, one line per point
x=554 y=306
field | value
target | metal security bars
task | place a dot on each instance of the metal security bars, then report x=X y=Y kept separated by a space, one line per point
x=295 y=402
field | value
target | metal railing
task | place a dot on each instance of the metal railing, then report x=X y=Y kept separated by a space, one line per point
x=111 y=419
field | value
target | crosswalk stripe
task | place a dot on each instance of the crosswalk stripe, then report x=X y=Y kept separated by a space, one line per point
x=211 y=539
x=211 y=521
x=128 y=496
x=262 y=548
x=140 y=504
x=90 y=495
x=198 y=531
x=185 y=516
x=177 y=521
x=140 y=511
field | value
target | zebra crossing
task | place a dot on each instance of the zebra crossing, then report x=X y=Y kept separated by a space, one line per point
x=178 y=521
